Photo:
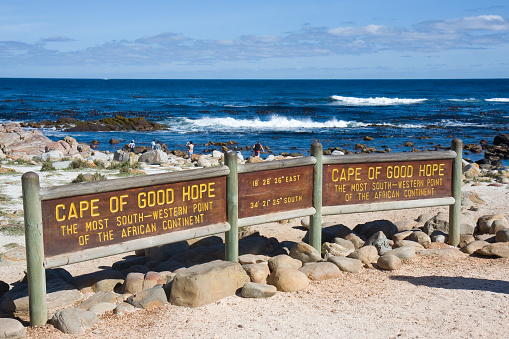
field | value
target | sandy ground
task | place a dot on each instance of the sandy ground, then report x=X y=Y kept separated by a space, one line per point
x=428 y=297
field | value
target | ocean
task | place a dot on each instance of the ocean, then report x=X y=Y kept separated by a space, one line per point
x=285 y=115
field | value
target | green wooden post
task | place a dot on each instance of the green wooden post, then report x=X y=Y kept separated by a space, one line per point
x=34 y=249
x=315 y=224
x=232 y=206
x=455 y=209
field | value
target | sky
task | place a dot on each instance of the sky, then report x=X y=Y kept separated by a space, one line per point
x=276 y=39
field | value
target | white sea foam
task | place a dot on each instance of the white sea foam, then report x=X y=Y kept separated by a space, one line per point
x=276 y=123
x=463 y=100
x=378 y=101
x=498 y=100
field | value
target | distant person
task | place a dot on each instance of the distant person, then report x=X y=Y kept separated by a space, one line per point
x=132 y=145
x=257 y=149
x=153 y=144
x=190 y=148
x=158 y=145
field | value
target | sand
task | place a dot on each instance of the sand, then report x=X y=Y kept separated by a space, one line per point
x=428 y=297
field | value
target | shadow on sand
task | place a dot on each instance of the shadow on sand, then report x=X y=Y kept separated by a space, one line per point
x=457 y=283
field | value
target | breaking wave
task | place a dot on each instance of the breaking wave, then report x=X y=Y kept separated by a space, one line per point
x=378 y=101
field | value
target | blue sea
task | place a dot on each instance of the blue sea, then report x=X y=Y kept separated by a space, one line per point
x=285 y=115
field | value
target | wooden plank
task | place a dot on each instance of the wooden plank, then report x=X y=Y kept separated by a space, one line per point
x=262 y=219
x=133 y=182
x=387 y=157
x=102 y=219
x=272 y=191
x=386 y=206
x=276 y=164
x=133 y=245
x=368 y=183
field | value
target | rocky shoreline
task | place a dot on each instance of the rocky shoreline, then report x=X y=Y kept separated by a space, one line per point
x=273 y=261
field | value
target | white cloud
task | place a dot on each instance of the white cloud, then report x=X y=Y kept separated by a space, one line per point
x=483 y=31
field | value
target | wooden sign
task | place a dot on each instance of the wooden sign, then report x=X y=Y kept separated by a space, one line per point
x=364 y=183
x=277 y=190
x=88 y=221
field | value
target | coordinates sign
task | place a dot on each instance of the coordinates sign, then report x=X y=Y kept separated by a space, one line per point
x=275 y=191
x=83 y=222
x=348 y=184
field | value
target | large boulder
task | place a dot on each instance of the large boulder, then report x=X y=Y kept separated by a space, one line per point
x=154 y=157
x=372 y=227
x=441 y=222
x=305 y=253
x=346 y=264
x=320 y=270
x=499 y=249
x=284 y=260
x=288 y=280
x=74 y=320
x=148 y=299
x=59 y=294
x=12 y=329
x=380 y=241
x=366 y=254
x=254 y=290
x=485 y=222
x=206 y=283
x=501 y=139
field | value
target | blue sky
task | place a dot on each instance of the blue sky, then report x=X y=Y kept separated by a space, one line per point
x=255 y=39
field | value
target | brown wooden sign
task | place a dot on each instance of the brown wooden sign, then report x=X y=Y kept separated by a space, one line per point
x=365 y=183
x=277 y=190
x=88 y=221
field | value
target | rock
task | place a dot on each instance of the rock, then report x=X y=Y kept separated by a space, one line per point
x=106 y=280
x=114 y=141
x=502 y=235
x=58 y=294
x=255 y=290
x=102 y=307
x=445 y=253
x=501 y=139
x=74 y=320
x=403 y=243
x=11 y=329
x=152 y=279
x=288 y=280
x=498 y=225
x=154 y=157
x=258 y=273
x=252 y=259
x=203 y=284
x=148 y=299
x=305 y=253
x=4 y=287
x=366 y=254
x=346 y=264
x=166 y=251
x=471 y=170
x=335 y=249
x=121 y=156
x=372 y=227
x=490 y=238
x=484 y=223
x=441 y=222
x=284 y=260
x=355 y=239
x=380 y=241
x=424 y=217
x=499 y=249
x=13 y=257
x=133 y=282
x=320 y=270
x=52 y=156
x=123 y=308
x=439 y=236
x=405 y=225
x=200 y=254
x=474 y=246
x=421 y=238
x=101 y=297
x=389 y=262
x=404 y=253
